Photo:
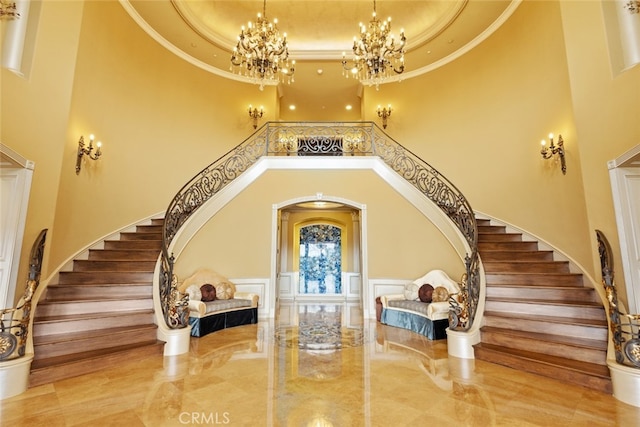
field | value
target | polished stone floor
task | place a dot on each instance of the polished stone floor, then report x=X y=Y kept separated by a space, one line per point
x=316 y=365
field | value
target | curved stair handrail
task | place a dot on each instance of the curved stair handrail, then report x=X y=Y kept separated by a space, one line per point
x=14 y=322
x=625 y=328
x=320 y=139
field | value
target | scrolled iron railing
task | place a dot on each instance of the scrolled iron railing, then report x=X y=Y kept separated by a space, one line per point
x=625 y=328
x=320 y=139
x=14 y=322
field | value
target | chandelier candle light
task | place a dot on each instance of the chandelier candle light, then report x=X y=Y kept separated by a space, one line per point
x=8 y=10
x=376 y=54
x=261 y=54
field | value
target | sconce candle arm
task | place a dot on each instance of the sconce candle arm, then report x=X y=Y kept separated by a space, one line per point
x=552 y=150
x=88 y=151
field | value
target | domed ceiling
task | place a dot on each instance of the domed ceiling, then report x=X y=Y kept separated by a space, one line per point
x=318 y=32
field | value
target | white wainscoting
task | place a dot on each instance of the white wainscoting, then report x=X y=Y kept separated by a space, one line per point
x=387 y=286
x=261 y=288
x=352 y=285
x=287 y=284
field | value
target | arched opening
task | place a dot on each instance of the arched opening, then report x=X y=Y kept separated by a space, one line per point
x=319 y=250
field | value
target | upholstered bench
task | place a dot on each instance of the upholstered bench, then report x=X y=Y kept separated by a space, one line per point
x=214 y=303
x=425 y=312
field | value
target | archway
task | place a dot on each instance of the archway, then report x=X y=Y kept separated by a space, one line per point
x=290 y=218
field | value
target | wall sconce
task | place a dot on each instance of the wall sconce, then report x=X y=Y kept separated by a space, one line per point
x=255 y=114
x=384 y=113
x=82 y=150
x=552 y=150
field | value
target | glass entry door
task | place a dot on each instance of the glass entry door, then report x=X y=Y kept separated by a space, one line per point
x=320 y=260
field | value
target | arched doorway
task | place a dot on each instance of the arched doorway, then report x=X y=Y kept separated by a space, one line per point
x=320 y=251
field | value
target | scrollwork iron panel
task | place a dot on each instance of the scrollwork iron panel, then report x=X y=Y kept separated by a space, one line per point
x=624 y=328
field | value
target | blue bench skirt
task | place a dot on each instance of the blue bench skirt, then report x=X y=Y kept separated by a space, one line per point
x=433 y=330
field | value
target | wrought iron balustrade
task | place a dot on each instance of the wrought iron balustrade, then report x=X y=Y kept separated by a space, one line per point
x=625 y=328
x=14 y=322
x=320 y=139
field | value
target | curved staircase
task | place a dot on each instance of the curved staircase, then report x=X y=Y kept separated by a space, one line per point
x=539 y=317
x=101 y=311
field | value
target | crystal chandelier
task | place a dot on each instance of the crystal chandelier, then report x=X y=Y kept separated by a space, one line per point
x=261 y=54
x=376 y=54
x=8 y=10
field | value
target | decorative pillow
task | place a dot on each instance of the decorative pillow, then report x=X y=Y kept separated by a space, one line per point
x=440 y=294
x=411 y=292
x=425 y=292
x=194 y=293
x=225 y=290
x=208 y=292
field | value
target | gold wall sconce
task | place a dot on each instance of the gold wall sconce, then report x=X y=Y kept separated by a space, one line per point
x=553 y=150
x=255 y=114
x=88 y=151
x=383 y=113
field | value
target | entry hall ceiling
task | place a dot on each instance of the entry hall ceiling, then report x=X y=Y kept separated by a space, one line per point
x=204 y=33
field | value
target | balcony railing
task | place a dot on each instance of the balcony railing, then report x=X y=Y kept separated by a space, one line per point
x=320 y=139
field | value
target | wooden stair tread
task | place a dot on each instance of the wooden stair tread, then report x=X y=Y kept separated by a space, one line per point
x=87 y=316
x=572 y=303
x=540 y=336
x=90 y=355
x=93 y=299
x=592 y=369
x=550 y=319
x=110 y=333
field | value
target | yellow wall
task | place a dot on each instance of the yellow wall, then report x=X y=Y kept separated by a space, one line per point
x=236 y=242
x=607 y=111
x=158 y=117
x=35 y=111
x=478 y=120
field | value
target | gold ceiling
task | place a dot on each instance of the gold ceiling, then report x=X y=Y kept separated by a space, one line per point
x=205 y=31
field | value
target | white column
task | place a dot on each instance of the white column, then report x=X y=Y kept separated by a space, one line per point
x=629 y=27
x=16 y=31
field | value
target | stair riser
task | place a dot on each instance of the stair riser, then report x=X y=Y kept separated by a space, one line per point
x=545 y=310
x=79 y=277
x=488 y=229
x=85 y=307
x=489 y=256
x=83 y=324
x=590 y=355
x=534 y=279
x=93 y=343
x=70 y=293
x=50 y=374
x=135 y=266
x=134 y=244
x=567 y=329
x=157 y=229
x=140 y=236
x=499 y=237
x=595 y=383
x=540 y=293
x=525 y=267
x=122 y=255
x=507 y=246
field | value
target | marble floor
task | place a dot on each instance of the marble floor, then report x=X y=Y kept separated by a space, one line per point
x=315 y=365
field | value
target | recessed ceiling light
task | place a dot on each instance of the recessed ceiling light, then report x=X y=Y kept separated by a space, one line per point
x=292 y=107
x=348 y=107
x=320 y=71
